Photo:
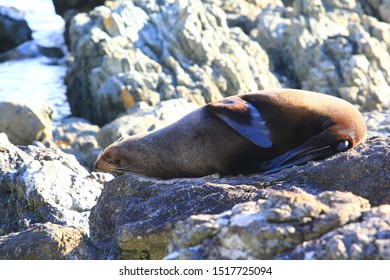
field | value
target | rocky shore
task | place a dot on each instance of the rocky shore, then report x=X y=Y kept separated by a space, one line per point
x=137 y=66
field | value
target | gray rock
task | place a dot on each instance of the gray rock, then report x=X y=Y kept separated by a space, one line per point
x=267 y=228
x=134 y=215
x=78 y=137
x=46 y=242
x=379 y=8
x=13 y=28
x=167 y=50
x=367 y=238
x=43 y=185
x=26 y=122
x=331 y=47
x=143 y=118
x=377 y=122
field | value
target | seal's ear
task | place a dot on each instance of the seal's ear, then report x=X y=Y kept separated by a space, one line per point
x=244 y=118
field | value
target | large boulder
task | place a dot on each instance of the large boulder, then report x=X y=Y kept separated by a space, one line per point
x=13 y=28
x=152 y=51
x=134 y=216
x=43 y=185
x=332 y=47
x=331 y=225
x=26 y=122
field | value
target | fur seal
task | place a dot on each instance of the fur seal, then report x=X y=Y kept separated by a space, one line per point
x=263 y=132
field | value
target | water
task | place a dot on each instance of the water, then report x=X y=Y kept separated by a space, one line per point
x=37 y=78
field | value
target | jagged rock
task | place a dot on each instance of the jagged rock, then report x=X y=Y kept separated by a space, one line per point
x=142 y=118
x=13 y=28
x=267 y=228
x=78 y=137
x=26 y=122
x=134 y=215
x=46 y=242
x=152 y=51
x=331 y=47
x=368 y=238
x=43 y=185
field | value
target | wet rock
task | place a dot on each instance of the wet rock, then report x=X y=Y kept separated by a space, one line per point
x=13 y=28
x=152 y=51
x=331 y=47
x=77 y=136
x=46 y=242
x=26 y=122
x=134 y=215
x=266 y=228
x=25 y=50
x=143 y=118
x=43 y=185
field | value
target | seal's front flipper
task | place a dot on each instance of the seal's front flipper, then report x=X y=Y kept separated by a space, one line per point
x=310 y=150
x=244 y=118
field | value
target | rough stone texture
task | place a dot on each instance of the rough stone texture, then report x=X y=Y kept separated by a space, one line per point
x=377 y=122
x=46 y=242
x=142 y=118
x=152 y=51
x=266 y=228
x=43 y=185
x=13 y=28
x=78 y=137
x=365 y=239
x=134 y=214
x=329 y=46
x=26 y=122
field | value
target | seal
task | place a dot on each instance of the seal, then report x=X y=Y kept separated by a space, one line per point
x=257 y=132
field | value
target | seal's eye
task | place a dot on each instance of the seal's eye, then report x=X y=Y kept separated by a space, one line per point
x=343 y=146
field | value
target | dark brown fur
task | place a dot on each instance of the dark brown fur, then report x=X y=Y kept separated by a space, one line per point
x=201 y=143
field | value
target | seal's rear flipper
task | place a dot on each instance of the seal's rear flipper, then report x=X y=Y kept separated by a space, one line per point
x=244 y=118
x=310 y=150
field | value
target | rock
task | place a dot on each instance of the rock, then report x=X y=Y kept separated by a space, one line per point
x=331 y=47
x=379 y=8
x=367 y=238
x=46 y=242
x=378 y=122
x=143 y=118
x=26 y=122
x=61 y=6
x=134 y=215
x=43 y=185
x=13 y=28
x=78 y=137
x=25 y=50
x=153 y=51
x=267 y=228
